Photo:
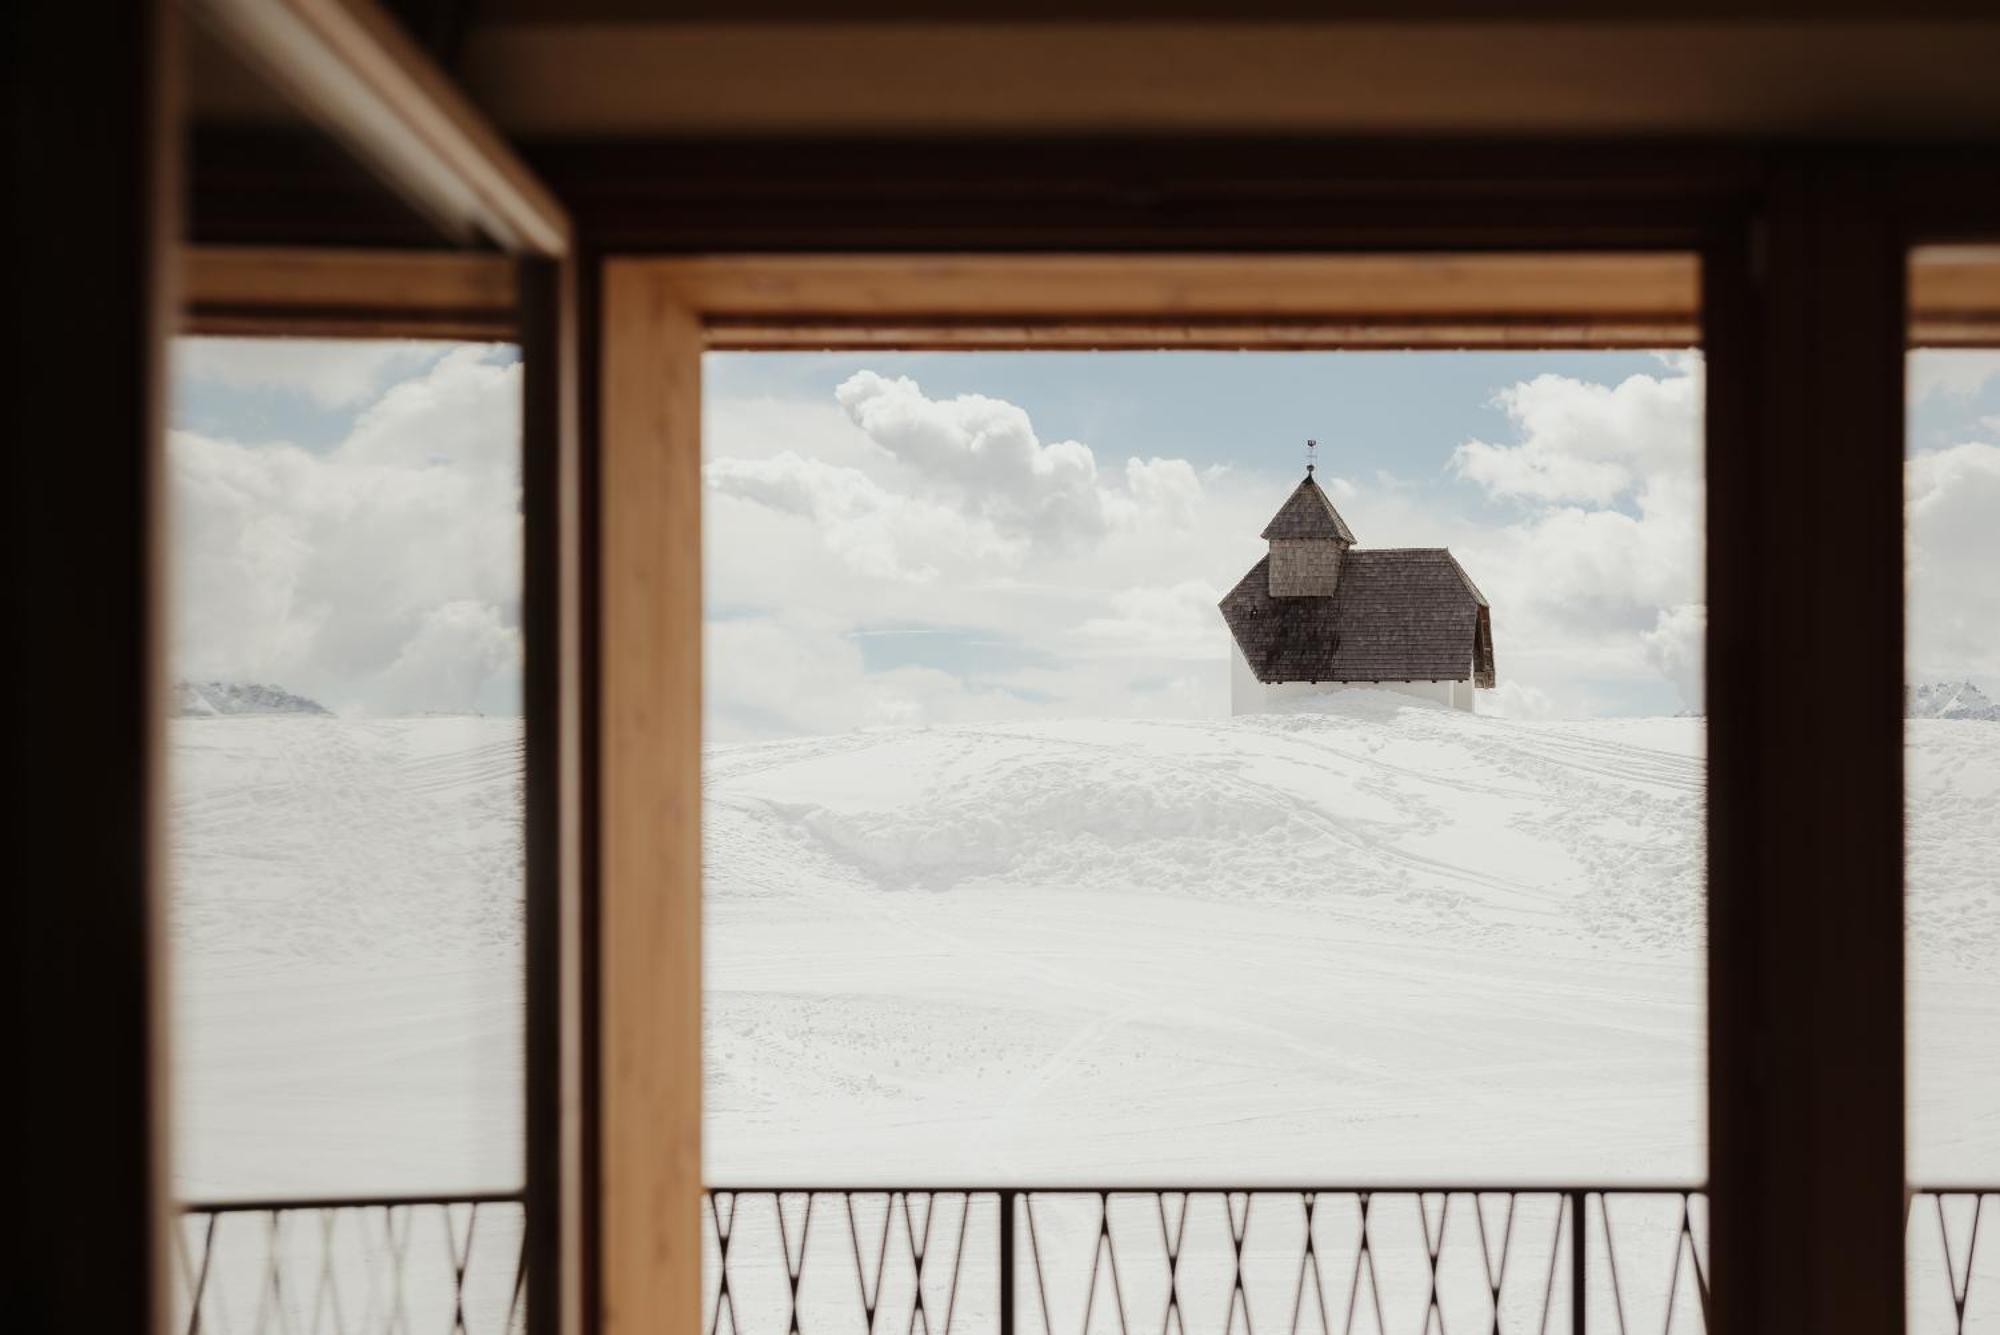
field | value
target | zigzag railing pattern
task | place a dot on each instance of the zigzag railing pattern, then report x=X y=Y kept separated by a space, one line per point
x=389 y=1265
x=1264 y=1262
x=1114 y=1261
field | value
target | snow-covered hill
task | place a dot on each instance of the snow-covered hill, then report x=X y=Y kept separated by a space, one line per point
x=202 y=699
x=347 y=954
x=1382 y=941
x=1952 y=700
x=1379 y=941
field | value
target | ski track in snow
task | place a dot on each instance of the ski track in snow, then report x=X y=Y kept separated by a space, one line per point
x=1373 y=942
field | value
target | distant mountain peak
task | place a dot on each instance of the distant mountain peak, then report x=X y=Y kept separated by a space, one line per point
x=208 y=699
x=1951 y=700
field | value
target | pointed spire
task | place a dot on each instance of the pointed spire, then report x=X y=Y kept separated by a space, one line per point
x=1307 y=513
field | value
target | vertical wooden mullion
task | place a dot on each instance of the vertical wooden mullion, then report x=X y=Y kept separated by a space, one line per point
x=552 y=682
x=95 y=209
x=584 y=998
x=649 y=832
x=1804 y=316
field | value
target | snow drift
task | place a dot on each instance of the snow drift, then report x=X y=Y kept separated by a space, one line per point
x=1378 y=941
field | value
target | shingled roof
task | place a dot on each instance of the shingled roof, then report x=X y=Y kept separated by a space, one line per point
x=1307 y=513
x=1399 y=614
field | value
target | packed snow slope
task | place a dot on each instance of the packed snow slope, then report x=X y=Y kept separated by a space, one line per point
x=347 y=963
x=1371 y=941
x=1377 y=942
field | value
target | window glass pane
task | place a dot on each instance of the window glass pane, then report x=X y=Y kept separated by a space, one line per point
x=345 y=768
x=1020 y=870
x=1952 y=490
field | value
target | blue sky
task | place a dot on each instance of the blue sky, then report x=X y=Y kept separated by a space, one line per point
x=1954 y=397
x=1399 y=412
x=263 y=412
x=349 y=521
x=1039 y=628
x=1568 y=483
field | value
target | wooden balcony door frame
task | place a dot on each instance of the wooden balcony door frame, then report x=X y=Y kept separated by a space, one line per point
x=659 y=316
x=104 y=282
x=1802 y=304
x=1791 y=273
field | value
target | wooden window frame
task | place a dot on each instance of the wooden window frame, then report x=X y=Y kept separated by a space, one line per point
x=108 y=282
x=659 y=316
x=96 y=105
x=340 y=293
x=331 y=292
x=1772 y=989
x=1794 y=243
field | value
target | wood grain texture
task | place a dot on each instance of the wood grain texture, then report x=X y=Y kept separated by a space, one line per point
x=1803 y=1108
x=1254 y=288
x=650 y=836
x=1955 y=296
x=346 y=292
x=1274 y=302
x=1192 y=301
x=942 y=335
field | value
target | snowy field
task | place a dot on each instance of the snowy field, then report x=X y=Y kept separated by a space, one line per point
x=347 y=955
x=1381 y=944
x=1392 y=943
x=1388 y=944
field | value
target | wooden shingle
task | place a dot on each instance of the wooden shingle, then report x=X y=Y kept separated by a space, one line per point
x=1398 y=614
x=1307 y=513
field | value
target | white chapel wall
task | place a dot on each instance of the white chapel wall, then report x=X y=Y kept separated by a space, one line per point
x=1247 y=695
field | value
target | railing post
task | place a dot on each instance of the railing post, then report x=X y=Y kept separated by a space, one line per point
x=1006 y=1263
x=1579 y=1290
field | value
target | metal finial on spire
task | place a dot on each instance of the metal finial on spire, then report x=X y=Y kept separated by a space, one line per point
x=1312 y=451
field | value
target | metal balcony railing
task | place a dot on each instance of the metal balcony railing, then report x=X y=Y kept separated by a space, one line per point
x=1058 y=1261
x=1263 y=1261
x=386 y=1265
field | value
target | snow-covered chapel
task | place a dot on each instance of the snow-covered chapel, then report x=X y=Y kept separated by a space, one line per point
x=1319 y=613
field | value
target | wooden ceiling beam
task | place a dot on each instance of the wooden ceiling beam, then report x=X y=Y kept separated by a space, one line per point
x=349 y=66
x=1860 y=80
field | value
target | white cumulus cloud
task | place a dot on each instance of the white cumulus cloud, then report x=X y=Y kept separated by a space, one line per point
x=982 y=456
x=957 y=490
x=1057 y=585
x=334 y=373
x=1588 y=442
x=1597 y=569
x=1675 y=647
x=1953 y=498
x=381 y=575
x=1175 y=621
